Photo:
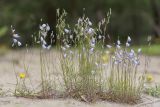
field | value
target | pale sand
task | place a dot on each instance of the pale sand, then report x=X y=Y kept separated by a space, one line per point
x=7 y=82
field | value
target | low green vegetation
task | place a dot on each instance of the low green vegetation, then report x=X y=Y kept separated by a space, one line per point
x=153 y=50
x=153 y=91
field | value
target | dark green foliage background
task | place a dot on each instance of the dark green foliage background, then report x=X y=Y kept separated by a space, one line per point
x=129 y=17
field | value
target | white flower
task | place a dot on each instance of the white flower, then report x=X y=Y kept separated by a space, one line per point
x=47 y=27
x=109 y=46
x=67 y=46
x=127 y=44
x=99 y=37
x=66 y=30
x=44 y=25
x=19 y=43
x=91 y=31
x=41 y=38
x=90 y=23
x=16 y=36
x=71 y=36
x=118 y=42
x=15 y=41
x=129 y=39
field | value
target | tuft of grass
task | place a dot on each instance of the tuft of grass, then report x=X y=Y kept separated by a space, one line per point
x=125 y=84
x=153 y=91
x=24 y=86
x=82 y=68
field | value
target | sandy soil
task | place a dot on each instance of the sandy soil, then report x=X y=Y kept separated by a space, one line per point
x=8 y=80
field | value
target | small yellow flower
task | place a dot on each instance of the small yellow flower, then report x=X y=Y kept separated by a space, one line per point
x=22 y=75
x=105 y=58
x=149 y=78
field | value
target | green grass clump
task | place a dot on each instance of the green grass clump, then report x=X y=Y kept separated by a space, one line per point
x=82 y=68
x=153 y=91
